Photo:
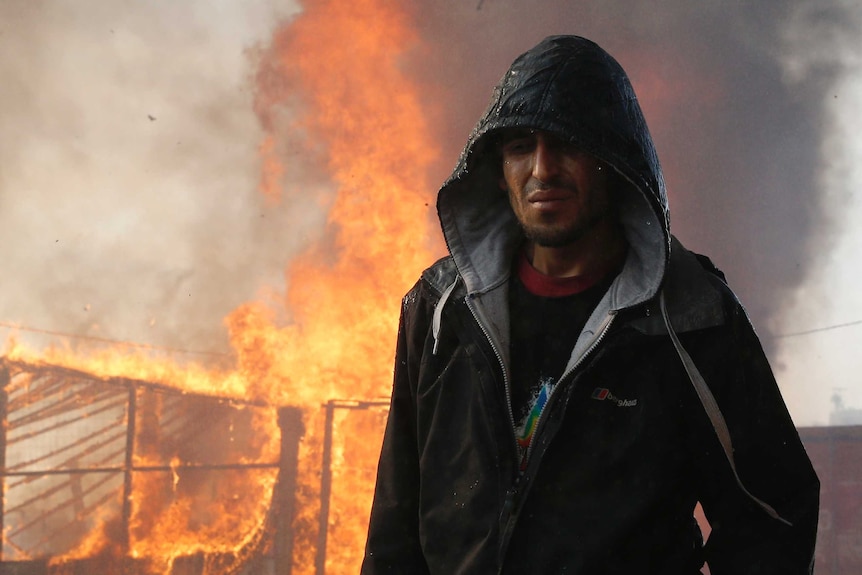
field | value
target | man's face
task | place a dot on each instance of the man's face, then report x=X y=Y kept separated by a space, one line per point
x=558 y=192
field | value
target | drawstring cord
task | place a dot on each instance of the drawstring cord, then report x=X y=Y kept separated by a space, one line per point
x=438 y=314
x=712 y=410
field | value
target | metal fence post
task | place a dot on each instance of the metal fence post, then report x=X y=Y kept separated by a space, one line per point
x=325 y=489
x=127 y=481
x=284 y=499
x=5 y=380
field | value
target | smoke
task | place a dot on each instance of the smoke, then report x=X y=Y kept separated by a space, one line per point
x=128 y=186
x=736 y=112
x=741 y=101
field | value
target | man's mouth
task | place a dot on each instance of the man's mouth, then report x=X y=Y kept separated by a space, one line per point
x=549 y=196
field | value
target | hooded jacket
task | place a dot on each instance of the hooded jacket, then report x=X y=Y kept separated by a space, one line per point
x=624 y=447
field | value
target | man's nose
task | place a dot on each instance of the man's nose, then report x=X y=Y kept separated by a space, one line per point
x=546 y=159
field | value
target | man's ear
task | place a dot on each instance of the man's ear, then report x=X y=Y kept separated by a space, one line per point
x=503 y=185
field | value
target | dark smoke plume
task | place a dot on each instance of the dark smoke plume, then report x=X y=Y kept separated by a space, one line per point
x=733 y=94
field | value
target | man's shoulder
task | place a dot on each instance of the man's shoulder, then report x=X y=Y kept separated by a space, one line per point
x=693 y=273
x=440 y=275
x=418 y=304
x=695 y=292
x=432 y=283
x=696 y=288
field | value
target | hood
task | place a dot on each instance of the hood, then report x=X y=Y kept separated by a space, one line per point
x=571 y=87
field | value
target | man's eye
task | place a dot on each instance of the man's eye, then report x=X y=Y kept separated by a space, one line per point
x=519 y=146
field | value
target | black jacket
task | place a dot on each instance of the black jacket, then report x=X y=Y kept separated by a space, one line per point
x=624 y=448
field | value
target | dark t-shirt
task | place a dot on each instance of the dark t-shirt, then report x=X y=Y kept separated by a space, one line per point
x=547 y=315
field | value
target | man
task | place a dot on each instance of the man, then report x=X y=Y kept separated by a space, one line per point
x=571 y=380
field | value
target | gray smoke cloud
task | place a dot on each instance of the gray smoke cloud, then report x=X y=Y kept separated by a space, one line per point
x=129 y=168
x=734 y=97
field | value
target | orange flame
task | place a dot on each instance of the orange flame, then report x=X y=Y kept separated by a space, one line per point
x=344 y=59
x=345 y=62
x=334 y=78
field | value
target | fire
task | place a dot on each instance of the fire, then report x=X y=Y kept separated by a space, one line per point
x=332 y=81
x=344 y=60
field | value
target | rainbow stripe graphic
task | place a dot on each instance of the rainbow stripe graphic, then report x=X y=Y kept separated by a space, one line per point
x=529 y=427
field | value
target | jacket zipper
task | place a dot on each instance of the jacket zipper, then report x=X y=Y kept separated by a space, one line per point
x=584 y=355
x=510 y=506
x=506 y=385
x=472 y=309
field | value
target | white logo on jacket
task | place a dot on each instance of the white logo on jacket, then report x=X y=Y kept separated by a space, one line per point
x=601 y=394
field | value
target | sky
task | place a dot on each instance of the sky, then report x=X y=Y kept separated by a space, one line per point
x=130 y=164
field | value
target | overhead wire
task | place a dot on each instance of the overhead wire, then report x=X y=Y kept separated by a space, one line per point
x=818 y=329
x=19 y=327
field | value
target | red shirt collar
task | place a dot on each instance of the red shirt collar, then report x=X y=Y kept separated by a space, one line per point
x=543 y=285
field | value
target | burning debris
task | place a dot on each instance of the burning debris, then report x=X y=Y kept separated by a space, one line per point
x=115 y=475
x=117 y=472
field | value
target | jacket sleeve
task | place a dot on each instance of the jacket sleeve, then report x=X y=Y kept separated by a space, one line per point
x=770 y=459
x=393 y=544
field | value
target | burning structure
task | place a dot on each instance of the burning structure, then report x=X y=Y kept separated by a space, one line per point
x=113 y=475
x=124 y=476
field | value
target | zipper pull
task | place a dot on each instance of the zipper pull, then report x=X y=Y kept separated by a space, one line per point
x=508 y=505
x=508 y=516
x=511 y=499
x=509 y=502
